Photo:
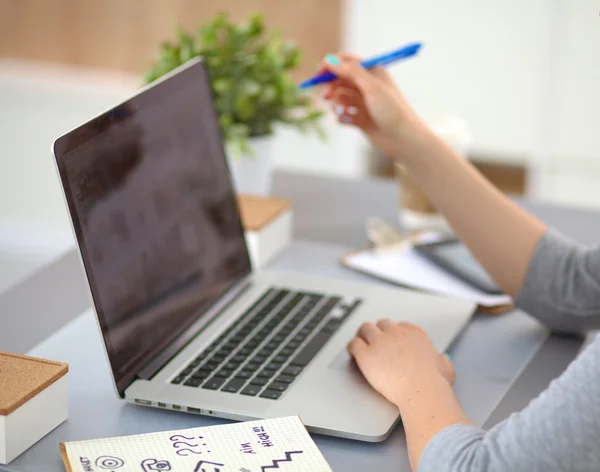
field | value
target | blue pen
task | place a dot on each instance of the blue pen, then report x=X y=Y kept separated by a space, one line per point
x=381 y=60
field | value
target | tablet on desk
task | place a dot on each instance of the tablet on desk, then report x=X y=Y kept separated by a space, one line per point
x=455 y=258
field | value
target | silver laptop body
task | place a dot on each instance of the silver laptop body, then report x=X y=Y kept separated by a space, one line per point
x=187 y=324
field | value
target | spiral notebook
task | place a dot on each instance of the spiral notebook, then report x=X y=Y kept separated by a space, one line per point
x=253 y=446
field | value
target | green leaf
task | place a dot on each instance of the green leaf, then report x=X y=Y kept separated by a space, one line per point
x=250 y=70
x=222 y=85
x=250 y=87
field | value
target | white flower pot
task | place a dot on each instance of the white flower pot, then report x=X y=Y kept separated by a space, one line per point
x=252 y=173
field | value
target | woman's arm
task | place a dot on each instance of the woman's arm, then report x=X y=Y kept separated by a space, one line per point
x=500 y=235
x=552 y=278
x=401 y=363
x=560 y=285
x=557 y=431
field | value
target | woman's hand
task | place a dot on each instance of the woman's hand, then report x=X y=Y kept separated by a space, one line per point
x=370 y=100
x=392 y=355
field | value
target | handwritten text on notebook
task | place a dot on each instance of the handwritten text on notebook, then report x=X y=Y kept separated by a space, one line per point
x=256 y=446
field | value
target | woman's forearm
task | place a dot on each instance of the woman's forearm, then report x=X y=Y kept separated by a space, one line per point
x=427 y=405
x=500 y=235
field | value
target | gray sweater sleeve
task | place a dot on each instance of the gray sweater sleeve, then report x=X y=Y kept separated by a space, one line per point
x=562 y=285
x=560 y=429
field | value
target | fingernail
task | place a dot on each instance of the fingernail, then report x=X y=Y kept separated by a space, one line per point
x=331 y=59
x=352 y=110
x=339 y=109
x=447 y=355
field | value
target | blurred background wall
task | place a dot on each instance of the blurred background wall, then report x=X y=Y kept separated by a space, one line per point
x=124 y=34
x=523 y=76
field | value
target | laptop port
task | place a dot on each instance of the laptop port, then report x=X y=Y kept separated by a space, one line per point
x=143 y=402
x=176 y=407
x=162 y=405
x=194 y=410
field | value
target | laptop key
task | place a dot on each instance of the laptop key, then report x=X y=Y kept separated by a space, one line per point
x=224 y=373
x=177 y=380
x=311 y=349
x=286 y=379
x=251 y=390
x=267 y=373
x=280 y=387
x=214 y=383
x=201 y=374
x=244 y=374
x=292 y=370
x=266 y=351
x=253 y=366
x=259 y=381
x=233 y=385
x=270 y=394
x=192 y=382
x=274 y=366
x=281 y=358
x=332 y=325
x=187 y=371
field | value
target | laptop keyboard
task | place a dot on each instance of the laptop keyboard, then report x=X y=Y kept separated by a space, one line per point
x=264 y=351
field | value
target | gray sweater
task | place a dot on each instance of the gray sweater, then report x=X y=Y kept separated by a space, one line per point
x=559 y=430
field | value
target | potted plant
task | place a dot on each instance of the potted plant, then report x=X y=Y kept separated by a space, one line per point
x=252 y=89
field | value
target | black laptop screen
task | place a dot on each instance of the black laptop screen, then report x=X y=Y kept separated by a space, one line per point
x=155 y=216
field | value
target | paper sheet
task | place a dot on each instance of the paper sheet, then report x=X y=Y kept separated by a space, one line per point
x=408 y=268
x=254 y=446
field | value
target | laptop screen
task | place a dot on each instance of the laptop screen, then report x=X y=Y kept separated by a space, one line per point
x=155 y=216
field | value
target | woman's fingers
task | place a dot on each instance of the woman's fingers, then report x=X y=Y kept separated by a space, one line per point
x=329 y=64
x=368 y=332
x=356 y=347
x=352 y=71
x=386 y=325
x=349 y=106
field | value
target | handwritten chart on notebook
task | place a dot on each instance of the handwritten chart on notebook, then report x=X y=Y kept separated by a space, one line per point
x=281 y=445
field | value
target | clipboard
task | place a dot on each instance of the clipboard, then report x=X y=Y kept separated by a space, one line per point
x=391 y=250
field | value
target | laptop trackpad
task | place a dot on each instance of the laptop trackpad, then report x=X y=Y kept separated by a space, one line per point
x=343 y=361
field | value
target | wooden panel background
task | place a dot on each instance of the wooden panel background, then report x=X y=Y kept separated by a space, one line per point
x=125 y=34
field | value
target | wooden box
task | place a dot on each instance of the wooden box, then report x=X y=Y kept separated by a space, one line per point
x=267 y=225
x=33 y=401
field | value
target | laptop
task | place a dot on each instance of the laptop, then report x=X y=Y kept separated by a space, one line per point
x=187 y=324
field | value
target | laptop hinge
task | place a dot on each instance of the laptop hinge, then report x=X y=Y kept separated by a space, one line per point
x=158 y=362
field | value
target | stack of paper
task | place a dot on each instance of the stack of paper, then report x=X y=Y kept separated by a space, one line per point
x=407 y=267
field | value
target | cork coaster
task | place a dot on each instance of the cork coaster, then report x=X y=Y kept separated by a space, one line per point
x=23 y=377
x=257 y=212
